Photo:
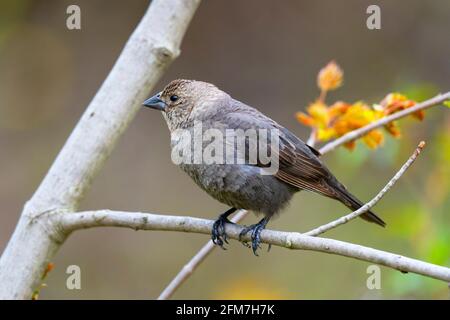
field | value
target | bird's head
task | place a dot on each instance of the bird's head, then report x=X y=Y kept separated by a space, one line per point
x=183 y=101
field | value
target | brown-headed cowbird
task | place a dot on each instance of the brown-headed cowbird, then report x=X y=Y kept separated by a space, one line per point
x=243 y=184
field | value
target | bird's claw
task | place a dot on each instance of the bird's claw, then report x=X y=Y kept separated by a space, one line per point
x=255 y=230
x=218 y=234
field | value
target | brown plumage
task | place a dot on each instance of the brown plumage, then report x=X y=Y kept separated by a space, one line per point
x=241 y=186
x=307 y=172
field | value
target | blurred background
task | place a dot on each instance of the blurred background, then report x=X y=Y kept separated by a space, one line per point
x=266 y=53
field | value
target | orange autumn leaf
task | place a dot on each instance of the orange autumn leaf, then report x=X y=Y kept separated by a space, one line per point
x=334 y=121
x=318 y=115
x=330 y=77
x=305 y=119
x=419 y=115
x=35 y=295
x=373 y=139
x=395 y=102
x=325 y=134
x=393 y=129
x=350 y=145
x=357 y=115
x=50 y=267
x=319 y=112
x=338 y=108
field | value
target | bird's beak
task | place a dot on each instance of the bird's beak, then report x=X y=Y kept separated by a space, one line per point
x=155 y=102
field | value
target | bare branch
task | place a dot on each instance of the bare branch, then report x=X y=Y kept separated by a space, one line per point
x=312 y=138
x=189 y=268
x=334 y=144
x=371 y=203
x=201 y=255
x=46 y=219
x=362 y=131
x=291 y=240
x=151 y=48
x=198 y=258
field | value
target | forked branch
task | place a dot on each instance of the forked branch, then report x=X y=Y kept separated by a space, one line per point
x=291 y=240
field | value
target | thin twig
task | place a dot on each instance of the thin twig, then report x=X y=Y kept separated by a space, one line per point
x=198 y=258
x=312 y=138
x=201 y=255
x=326 y=227
x=207 y=248
x=290 y=240
x=384 y=121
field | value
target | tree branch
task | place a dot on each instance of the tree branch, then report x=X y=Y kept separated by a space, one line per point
x=290 y=240
x=87 y=219
x=208 y=248
x=152 y=47
x=195 y=261
x=312 y=138
x=326 y=227
x=384 y=121
x=46 y=219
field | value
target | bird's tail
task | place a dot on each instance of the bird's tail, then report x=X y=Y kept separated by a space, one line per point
x=353 y=203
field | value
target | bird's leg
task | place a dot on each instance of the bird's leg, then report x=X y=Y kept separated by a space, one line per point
x=255 y=230
x=218 y=234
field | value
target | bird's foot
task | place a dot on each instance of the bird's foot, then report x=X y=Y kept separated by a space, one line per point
x=255 y=230
x=218 y=234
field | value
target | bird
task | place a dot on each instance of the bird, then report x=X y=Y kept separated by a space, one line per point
x=184 y=103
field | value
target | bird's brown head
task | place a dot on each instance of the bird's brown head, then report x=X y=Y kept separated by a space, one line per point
x=181 y=98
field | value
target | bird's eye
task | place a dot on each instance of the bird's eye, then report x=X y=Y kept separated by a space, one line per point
x=174 y=98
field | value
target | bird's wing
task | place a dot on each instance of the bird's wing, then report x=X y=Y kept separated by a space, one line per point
x=299 y=164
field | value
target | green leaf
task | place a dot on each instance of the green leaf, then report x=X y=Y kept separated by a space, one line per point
x=447 y=103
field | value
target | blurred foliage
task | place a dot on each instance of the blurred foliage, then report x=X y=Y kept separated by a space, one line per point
x=334 y=121
x=49 y=74
x=428 y=235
